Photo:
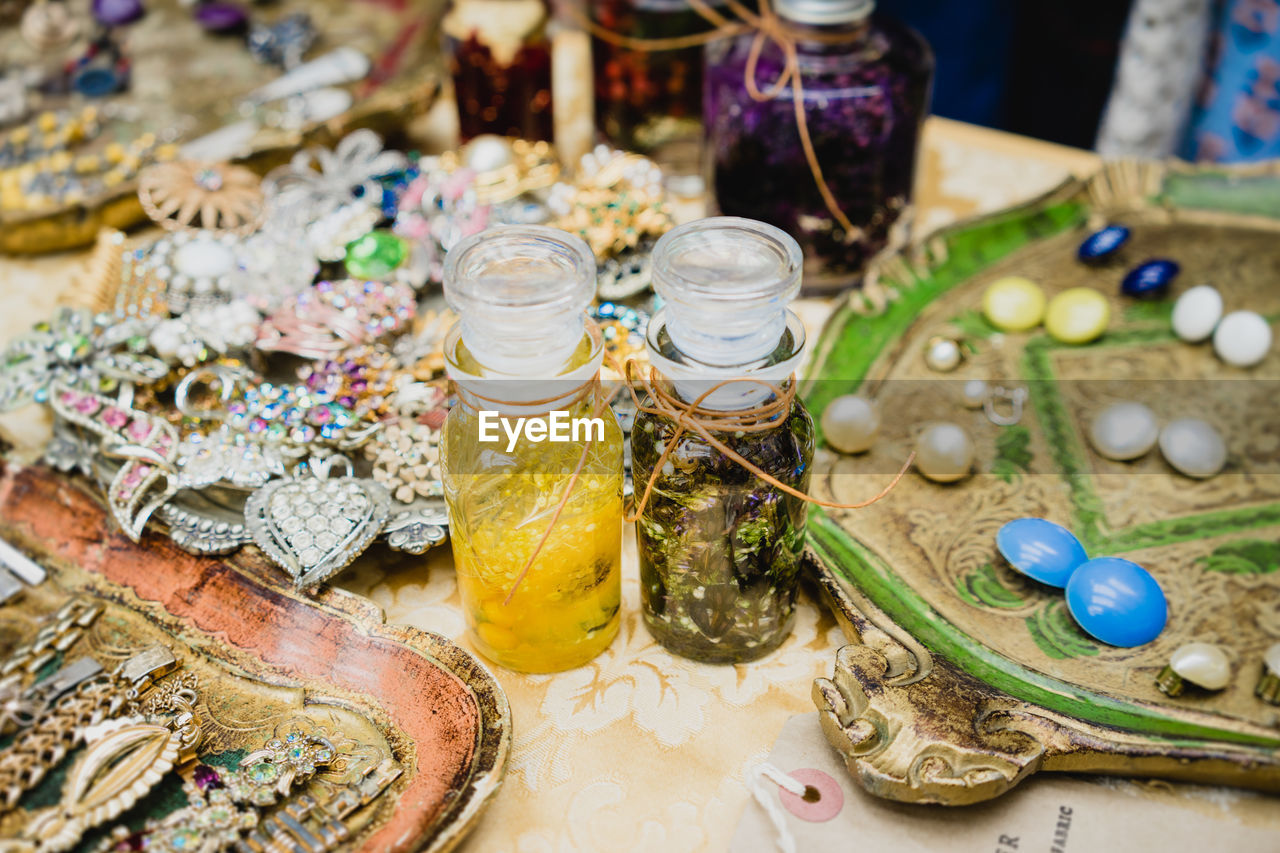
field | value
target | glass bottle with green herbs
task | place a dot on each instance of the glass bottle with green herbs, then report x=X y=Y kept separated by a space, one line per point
x=719 y=545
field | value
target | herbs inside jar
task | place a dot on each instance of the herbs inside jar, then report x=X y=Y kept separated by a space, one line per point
x=719 y=547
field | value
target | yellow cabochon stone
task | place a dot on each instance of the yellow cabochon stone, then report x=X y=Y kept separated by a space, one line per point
x=1077 y=315
x=1013 y=304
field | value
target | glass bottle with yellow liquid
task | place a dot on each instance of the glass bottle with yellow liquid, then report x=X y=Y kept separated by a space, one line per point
x=532 y=456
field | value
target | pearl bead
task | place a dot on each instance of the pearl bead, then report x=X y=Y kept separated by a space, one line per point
x=1117 y=601
x=1124 y=431
x=1196 y=313
x=1077 y=315
x=944 y=453
x=1013 y=304
x=1243 y=339
x=942 y=354
x=850 y=423
x=488 y=153
x=975 y=393
x=1203 y=664
x=204 y=258
x=1193 y=447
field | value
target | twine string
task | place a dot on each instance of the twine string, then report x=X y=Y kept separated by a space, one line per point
x=694 y=417
x=687 y=417
x=767 y=27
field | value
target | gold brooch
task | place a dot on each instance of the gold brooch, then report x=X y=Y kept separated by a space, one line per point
x=206 y=196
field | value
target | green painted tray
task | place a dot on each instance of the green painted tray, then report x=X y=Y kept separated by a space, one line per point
x=964 y=677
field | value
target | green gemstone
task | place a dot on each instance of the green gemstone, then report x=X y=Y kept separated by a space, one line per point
x=375 y=255
x=297 y=753
x=263 y=772
x=74 y=348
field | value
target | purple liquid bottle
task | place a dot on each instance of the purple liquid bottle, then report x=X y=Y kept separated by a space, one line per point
x=866 y=86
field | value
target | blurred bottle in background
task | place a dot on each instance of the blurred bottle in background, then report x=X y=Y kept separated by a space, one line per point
x=866 y=81
x=650 y=101
x=500 y=60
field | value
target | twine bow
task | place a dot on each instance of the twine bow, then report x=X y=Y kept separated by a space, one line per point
x=768 y=28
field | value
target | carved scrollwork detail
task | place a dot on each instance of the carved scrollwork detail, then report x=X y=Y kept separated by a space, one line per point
x=921 y=740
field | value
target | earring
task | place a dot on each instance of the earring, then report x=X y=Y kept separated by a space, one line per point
x=1016 y=398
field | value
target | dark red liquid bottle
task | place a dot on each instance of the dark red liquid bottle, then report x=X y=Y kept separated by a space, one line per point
x=500 y=61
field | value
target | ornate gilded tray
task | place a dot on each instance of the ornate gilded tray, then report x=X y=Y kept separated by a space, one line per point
x=187 y=84
x=267 y=660
x=965 y=677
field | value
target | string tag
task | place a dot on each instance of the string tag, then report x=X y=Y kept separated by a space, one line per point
x=758 y=778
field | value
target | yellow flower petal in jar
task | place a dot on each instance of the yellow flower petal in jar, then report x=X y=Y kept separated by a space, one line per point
x=535 y=523
x=1013 y=304
x=1077 y=315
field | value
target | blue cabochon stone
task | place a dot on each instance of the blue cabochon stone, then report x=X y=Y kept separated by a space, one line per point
x=1103 y=243
x=1117 y=601
x=1041 y=550
x=1150 y=278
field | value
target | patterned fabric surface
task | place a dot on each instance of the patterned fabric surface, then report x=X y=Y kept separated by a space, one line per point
x=1236 y=117
x=639 y=750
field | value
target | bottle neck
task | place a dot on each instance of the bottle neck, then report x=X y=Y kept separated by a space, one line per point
x=746 y=382
x=529 y=392
x=825 y=40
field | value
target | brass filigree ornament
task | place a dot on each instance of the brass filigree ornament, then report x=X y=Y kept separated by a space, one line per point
x=125 y=757
x=228 y=809
x=216 y=197
x=615 y=202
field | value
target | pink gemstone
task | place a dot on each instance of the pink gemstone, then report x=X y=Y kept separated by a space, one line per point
x=135 y=475
x=114 y=418
x=138 y=430
x=87 y=405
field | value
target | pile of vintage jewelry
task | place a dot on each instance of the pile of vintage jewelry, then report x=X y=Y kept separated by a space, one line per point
x=122 y=732
x=262 y=373
x=71 y=133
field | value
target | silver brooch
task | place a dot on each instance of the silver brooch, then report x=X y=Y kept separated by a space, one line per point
x=422 y=526
x=314 y=526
